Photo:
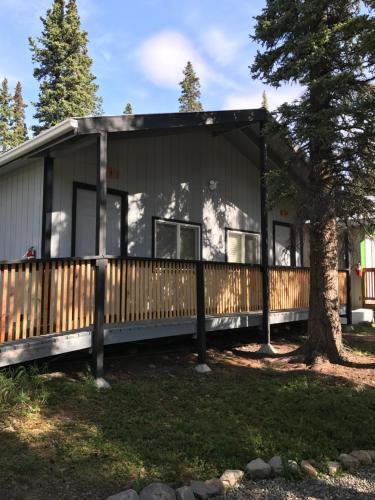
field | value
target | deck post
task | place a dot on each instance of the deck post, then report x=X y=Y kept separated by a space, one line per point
x=101 y=261
x=47 y=207
x=202 y=366
x=266 y=328
x=349 y=315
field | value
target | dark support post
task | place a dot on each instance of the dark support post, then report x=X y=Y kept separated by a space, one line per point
x=47 y=208
x=201 y=319
x=349 y=315
x=266 y=329
x=101 y=262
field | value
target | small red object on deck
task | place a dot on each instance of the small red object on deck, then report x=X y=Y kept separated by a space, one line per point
x=31 y=253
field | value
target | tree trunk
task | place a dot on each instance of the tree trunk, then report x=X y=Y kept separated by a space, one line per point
x=324 y=326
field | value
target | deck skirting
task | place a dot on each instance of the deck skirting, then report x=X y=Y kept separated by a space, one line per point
x=44 y=346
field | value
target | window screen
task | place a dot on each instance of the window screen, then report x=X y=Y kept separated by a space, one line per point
x=243 y=247
x=176 y=240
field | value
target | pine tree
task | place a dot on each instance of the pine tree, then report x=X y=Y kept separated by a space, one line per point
x=191 y=93
x=18 y=128
x=265 y=101
x=5 y=117
x=63 y=67
x=128 y=110
x=327 y=47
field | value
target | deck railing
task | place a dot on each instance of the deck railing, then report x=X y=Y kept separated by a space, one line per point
x=58 y=295
x=369 y=287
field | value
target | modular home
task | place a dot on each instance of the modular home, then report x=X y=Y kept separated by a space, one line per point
x=174 y=207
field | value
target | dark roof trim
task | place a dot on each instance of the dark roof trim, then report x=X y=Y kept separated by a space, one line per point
x=128 y=123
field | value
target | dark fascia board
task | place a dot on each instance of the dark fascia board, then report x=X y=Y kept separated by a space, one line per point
x=129 y=123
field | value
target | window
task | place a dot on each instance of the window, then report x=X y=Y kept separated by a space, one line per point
x=176 y=240
x=284 y=244
x=243 y=247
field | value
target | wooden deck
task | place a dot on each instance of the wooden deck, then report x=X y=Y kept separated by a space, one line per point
x=144 y=298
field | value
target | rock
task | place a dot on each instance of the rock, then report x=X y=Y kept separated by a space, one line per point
x=157 y=491
x=349 y=461
x=202 y=368
x=231 y=478
x=125 y=495
x=308 y=468
x=293 y=467
x=215 y=487
x=200 y=489
x=258 y=469
x=372 y=454
x=184 y=493
x=102 y=384
x=333 y=468
x=363 y=456
x=276 y=465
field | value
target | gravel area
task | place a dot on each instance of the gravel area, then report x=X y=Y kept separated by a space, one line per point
x=359 y=486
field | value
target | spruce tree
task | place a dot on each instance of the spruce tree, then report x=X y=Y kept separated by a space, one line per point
x=327 y=47
x=63 y=67
x=265 y=101
x=18 y=129
x=5 y=117
x=128 y=110
x=191 y=93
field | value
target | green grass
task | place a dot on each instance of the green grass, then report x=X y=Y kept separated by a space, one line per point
x=66 y=437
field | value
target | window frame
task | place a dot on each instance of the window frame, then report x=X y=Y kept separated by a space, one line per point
x=244 y=232
x=178 y=223
x=293 y=244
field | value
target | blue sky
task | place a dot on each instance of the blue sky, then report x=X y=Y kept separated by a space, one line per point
x=140 y=47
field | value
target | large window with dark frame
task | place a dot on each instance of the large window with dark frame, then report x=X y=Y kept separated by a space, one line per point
x=176 y=240
x=243 y=246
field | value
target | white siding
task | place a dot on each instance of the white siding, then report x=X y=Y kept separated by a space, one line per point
x=167 y=177
x=21 y=201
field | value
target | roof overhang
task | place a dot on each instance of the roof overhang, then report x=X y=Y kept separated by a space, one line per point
x=238 y=125
x=65 y=129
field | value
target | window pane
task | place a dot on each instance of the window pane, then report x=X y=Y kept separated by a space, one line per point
x=251 y=249
x=166 y=240
x=234 y=247
x=283 y=245
x=188 y=241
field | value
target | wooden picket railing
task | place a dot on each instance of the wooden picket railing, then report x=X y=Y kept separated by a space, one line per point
x=58 y=295
x=369 y=287
x=37 y=298
x=158 y=289
x=289 y=288
x=232 y=288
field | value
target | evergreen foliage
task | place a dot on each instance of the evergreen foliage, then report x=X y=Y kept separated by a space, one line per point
x=19 y=128
x=63 y=67
x=191 y=93
x=329 y=49
x=5 y=117
x=128 y=110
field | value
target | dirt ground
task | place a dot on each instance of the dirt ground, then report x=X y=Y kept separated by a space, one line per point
x=241 y=349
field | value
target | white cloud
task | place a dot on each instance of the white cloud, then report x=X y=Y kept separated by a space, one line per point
x=253 y=99
x=221 y=46
x=163 y=56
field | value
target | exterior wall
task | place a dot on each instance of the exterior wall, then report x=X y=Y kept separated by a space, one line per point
x=21 y=202
x=168 y=177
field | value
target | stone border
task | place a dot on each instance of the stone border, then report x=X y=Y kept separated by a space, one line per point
x=256 y=469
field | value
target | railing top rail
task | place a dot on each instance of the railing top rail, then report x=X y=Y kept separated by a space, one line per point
x=154 y=259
